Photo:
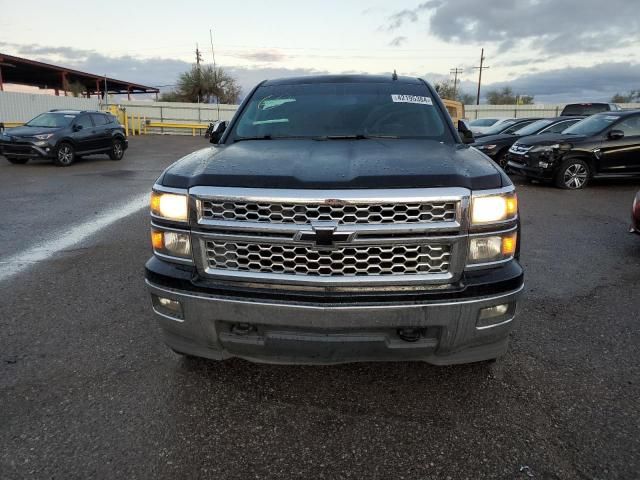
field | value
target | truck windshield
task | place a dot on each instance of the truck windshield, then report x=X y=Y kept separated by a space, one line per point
x=342 y=111
x=591 y=125
x=52 y=120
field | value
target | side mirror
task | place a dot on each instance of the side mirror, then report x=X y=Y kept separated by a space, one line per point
x=466 y=135
x=217 y=132
x=616 y=134
x=77 y=128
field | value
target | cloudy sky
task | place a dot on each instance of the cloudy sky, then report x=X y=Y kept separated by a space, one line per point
x=557 y=50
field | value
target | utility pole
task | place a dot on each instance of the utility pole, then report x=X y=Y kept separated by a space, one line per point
x=455 y=72
x=198 y=60
x=480 y=68
x=215 y=72
x=106 y=91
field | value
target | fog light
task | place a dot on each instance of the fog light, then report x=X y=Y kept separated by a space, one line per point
x=543 y=164
x=167 y=307
x=495 y=315
x=491 y=312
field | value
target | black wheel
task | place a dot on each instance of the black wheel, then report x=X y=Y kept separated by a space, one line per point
x=17 y=161
x=117 y=149
x=65 y=155
x=573 y=174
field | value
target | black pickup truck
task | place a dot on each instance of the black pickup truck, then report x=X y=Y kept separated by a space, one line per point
x=336 y=219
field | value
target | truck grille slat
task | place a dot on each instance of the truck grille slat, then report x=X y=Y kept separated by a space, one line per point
x=417 y=259
x=304 y=214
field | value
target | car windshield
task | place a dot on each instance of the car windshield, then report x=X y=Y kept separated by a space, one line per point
x=500 y=127
x=483 y=122
x=591 y=125
x=51 y=120
x=533 y=127
x=342 y=111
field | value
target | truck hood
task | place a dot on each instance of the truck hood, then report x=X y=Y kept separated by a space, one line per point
x=335 y=164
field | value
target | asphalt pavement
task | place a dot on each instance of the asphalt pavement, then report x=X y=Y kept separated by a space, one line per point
x=88 y=390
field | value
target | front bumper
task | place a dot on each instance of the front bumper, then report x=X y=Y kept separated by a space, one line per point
x=27 y=149
x=295 y=331
x=529 y=167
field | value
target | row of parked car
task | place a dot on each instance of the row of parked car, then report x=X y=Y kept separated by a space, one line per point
x=568 y=150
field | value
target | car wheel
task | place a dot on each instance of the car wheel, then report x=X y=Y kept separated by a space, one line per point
x=117 y=150
x=17 y=161
x=501 y=159
x=65 y=155
x=573 y=174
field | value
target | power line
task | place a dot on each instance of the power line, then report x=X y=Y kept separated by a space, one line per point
x=480 y=68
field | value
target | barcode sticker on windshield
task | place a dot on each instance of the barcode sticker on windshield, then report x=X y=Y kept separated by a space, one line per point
x=411 y=99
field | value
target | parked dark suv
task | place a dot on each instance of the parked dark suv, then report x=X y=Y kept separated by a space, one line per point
x=603 y=145
x=64 y=135
x=497 y=146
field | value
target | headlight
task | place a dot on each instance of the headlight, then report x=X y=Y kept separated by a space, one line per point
x=492 y=248
x=493 y=208
x=171 y=243
x=44 y=136
x=170 y=206
x=545 y=148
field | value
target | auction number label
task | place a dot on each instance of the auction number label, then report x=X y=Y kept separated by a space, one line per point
x=411 y=99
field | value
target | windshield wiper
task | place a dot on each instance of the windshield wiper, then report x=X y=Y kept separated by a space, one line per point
x=262 y=137
x=359 y=136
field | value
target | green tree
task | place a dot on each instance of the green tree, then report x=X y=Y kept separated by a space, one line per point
x=505 y=96
x=631 y=97
x=76 y=89
x=445 y=90
x=204 y=85
x=467 y=98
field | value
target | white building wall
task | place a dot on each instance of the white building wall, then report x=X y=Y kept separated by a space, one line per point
x=22 y=107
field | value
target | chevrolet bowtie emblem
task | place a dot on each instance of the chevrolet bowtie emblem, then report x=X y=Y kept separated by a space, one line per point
x=323 y=235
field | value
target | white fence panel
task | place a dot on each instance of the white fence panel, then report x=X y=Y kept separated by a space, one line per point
x=518 y=111
x=178 y=112
x=22 y=107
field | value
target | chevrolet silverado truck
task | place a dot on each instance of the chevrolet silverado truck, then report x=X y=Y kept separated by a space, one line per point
x=337 y=219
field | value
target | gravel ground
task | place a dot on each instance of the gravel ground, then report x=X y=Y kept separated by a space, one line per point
x=87 y=390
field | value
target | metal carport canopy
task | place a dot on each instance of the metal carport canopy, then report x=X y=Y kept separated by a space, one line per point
x=43 y=75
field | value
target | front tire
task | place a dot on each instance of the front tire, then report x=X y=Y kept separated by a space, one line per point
x=17 y=161
x=65 y=155
x=501 y=159
x=117 y=149
x=573 y=174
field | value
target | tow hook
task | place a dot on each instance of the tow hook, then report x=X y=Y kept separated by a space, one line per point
x=409 y=334
x=241 y=329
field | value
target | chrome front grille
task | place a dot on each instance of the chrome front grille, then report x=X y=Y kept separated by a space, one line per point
x=400 y=259
x=353 y=238
x=343 y=214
